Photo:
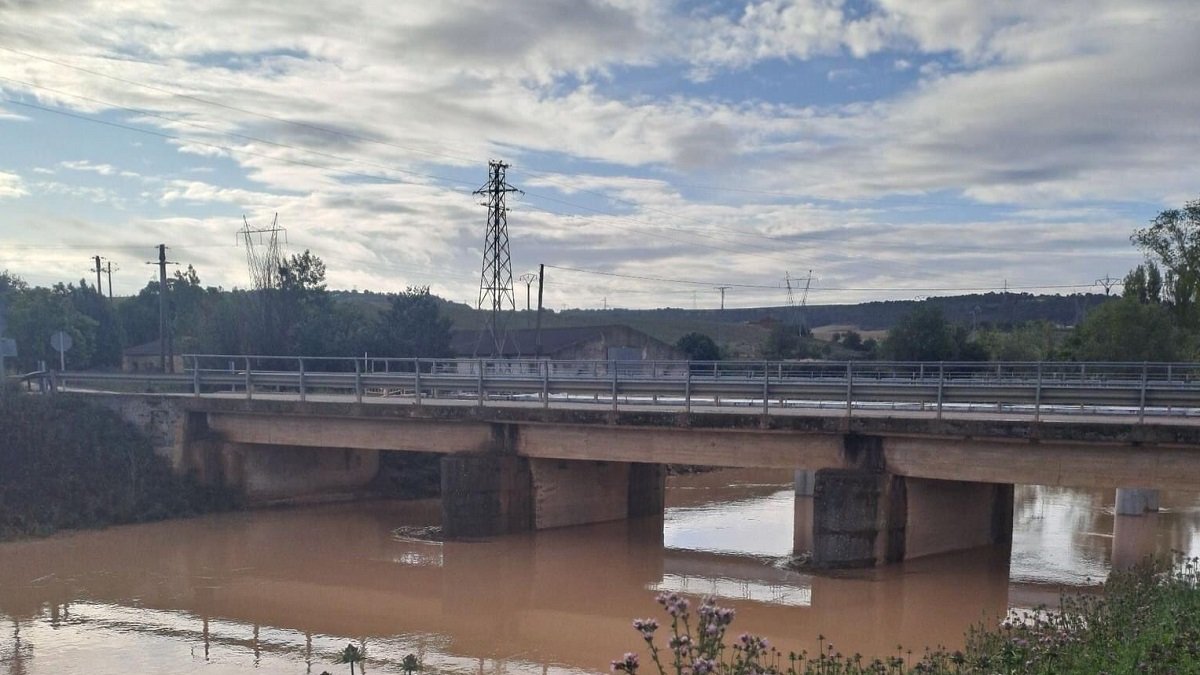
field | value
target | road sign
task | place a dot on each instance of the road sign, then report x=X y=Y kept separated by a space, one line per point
x=61 y=341
x=8 y=348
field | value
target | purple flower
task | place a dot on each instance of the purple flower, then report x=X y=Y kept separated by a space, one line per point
x=646 y=627
x=629 y=664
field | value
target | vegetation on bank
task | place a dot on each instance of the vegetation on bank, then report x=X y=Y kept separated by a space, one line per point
x=1146 y=621
x=66 y=463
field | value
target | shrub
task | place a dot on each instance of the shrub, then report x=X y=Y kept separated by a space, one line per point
x=1147 y=620
x=68 y=463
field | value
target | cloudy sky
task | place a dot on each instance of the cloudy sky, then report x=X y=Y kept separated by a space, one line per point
x=896 y=148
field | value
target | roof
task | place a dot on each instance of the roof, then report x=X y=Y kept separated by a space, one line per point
x=523 y=341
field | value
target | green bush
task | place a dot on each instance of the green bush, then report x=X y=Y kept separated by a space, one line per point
x=1146 y=621
x=66 y=463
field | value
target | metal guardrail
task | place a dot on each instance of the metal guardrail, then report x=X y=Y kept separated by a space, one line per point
x=1030 y=388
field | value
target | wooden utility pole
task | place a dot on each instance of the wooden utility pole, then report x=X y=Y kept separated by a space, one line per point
x=99 y=288
x=108 y=267
x=537 y=335
x=721 y=319
x=164 y=338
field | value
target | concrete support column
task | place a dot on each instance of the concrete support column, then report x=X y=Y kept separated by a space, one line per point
x=567 y=492
x=806 y=482
x=948 y=515
x=864 y=518
x=858 y=518
x=1136 y=501
x=647 y=490
x=486 y=495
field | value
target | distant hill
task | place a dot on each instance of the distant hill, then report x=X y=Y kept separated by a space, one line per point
x=744 y=330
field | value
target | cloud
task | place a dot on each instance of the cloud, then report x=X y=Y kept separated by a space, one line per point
x=1029 y=119
x=11 y=186
x=84 y=165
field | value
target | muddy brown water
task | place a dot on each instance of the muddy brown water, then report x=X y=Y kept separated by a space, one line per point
x=281 y=591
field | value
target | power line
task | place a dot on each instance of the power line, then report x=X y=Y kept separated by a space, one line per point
x=350 y=160
x=376 y=177
x=373 y=140
x=233 y=134
x=694 y=282
x=204 y=101
x=329 y=155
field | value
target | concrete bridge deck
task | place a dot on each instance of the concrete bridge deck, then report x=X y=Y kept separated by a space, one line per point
x=1069 y=450
x=897 y=476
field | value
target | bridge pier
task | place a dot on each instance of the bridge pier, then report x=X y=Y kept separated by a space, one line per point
x=869 y=517
x=489 y=495
x=1136 y=501
x=486 y=495
x=806 y=482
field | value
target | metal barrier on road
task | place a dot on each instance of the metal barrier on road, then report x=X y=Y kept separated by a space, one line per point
x=1027 y=388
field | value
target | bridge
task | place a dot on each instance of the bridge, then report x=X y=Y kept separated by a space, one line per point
x=902 y=459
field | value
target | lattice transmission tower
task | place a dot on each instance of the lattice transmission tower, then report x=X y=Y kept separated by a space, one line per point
x=495 y=280
x=263 y=253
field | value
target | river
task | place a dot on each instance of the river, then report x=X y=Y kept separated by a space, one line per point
x=282 y=591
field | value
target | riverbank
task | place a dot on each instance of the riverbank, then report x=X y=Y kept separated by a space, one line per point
x=1146 y=621
x=68 y=464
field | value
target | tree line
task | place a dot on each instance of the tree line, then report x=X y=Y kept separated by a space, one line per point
x=299 y=317
x=1156 y=317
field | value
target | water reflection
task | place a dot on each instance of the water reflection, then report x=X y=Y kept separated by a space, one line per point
x=283 y=591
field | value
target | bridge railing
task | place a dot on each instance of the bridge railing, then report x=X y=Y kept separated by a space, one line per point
x=1029 y=388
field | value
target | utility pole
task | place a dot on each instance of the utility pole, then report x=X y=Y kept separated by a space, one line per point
x=495 y=277
x=537 y=336
x=163 y=338
x=528 y=278
x=108 y=267
x=99 y=288
x=721 y=319
x=723 y=289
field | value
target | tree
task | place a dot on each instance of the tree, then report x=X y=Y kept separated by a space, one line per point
x=852 y=340
x=925 y=335
x=922 y=335
x=352 y=655
x=413 y=326
x=37 y=313
x=108 y=335
x=1144 y=284
x=1126 y=330
x=698 y=347
x=288 y=313
x=1033 y=341
x=1172 y=242
x=785 y=342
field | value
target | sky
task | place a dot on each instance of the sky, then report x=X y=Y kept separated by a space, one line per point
x=896 y=149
